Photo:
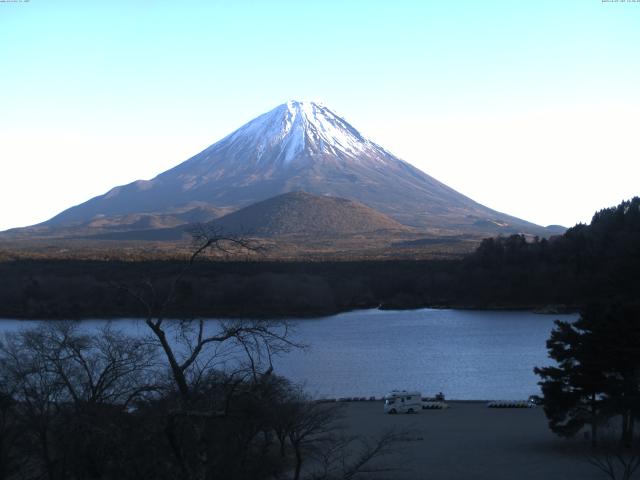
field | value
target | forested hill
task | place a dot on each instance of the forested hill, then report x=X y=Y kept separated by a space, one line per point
x=587 y=262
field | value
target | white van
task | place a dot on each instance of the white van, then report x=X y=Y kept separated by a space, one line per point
x=402 y=401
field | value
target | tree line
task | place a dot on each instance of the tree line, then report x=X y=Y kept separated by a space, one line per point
x=566 y=271
x=184 y=399
x=595 y=384
x=587 y=262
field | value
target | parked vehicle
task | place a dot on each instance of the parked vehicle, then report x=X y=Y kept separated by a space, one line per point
x=402 y=401
x=535 y=399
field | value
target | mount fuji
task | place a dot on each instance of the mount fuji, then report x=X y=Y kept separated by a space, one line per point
x=297 y=146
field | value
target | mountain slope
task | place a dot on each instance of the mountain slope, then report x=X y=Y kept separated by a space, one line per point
x=294 y=213
x=195 y=212
x=301 y=146
x=306 y=214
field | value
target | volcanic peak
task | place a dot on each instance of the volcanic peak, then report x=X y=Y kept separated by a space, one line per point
x=296 y=128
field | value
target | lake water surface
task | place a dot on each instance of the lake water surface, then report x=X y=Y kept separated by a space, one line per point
x=463 y=353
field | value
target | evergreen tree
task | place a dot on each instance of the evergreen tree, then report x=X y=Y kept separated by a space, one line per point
x=598 y=371
x=618 y=330
x=574 y=388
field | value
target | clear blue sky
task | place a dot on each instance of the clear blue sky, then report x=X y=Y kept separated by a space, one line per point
x=530 y=107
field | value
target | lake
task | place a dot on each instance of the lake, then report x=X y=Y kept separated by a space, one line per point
x=465 y=354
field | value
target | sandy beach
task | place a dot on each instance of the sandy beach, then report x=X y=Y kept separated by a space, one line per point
x=471 y=441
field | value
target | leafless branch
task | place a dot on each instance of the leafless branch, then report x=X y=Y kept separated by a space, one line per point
x=615 y=460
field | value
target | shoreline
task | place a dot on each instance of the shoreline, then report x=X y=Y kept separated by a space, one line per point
x=446 y=401
x=306 y=315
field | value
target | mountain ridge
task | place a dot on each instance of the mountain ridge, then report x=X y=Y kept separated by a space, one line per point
x=301 y=146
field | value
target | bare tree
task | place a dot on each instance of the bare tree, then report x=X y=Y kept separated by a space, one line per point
x=321 y=450
x=195 y=347
x=106 y=366
x=617 y=460
x=57 y=373
x=38 y=391
x=310 y=427
x=348 y=457
x=10 y=461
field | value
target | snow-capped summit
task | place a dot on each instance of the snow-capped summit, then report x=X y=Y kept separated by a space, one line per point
x=299 y=146
x=292 y=133
x=305 y=126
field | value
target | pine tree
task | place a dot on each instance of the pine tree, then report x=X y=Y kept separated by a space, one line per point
x=597 y=376
x=574 y=388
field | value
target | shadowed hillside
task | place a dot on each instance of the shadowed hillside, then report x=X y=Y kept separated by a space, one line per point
x=297 y=214
x=303 y=213
x=588 y=262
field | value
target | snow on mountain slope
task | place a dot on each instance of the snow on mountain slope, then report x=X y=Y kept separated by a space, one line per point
x=301 y=146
